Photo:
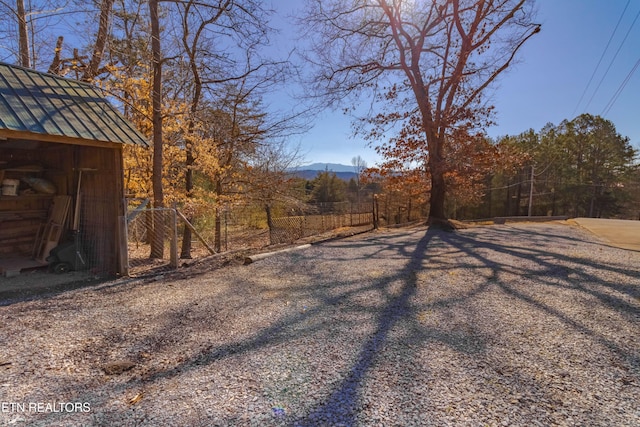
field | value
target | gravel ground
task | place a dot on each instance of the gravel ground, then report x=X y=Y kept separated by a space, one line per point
x=511 y=325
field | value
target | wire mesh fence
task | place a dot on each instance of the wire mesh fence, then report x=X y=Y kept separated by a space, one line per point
x=152 y=240
x=291 y=228
x=85 y=245
x=394 y=210
x=158 y=239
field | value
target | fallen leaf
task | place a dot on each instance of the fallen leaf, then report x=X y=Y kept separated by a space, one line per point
x=135 y=399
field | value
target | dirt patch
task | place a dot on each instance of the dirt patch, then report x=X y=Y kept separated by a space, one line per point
x=38 y=282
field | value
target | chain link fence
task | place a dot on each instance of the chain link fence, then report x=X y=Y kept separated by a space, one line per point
x=156 y=237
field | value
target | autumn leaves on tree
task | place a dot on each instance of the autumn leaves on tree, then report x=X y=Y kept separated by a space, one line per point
x=425 y=65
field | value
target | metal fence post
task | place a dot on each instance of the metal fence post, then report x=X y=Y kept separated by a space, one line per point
x=304 y=226
x=123 y=251
x=173 y=226
x=351 y=215
x=226 y=229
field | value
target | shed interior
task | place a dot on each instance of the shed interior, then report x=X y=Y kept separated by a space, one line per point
x=35 y=218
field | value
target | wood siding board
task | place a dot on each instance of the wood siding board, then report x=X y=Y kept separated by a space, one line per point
x=20 y=219
x=100 y=206
x=121 y=212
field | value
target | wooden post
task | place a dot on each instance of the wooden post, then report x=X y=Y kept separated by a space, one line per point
x=530 y=193
x=123 y=247
x=374 y=211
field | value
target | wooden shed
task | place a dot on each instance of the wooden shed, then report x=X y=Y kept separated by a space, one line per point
x=61 y=171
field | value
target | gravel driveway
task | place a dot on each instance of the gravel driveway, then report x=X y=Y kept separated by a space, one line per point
x=513 y=325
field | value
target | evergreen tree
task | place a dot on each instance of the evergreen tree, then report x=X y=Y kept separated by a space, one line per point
x=327 y=188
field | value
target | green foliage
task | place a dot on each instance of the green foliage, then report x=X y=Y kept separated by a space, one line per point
x=582 y=167
x=327 y=187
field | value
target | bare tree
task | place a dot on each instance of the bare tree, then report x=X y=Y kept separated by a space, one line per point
x=223 y=43
x=427 y=59
x=85 y=70
x=93 y=67
x=359 y=165
x=28 y=28
x=270 y=180
x=191 y=43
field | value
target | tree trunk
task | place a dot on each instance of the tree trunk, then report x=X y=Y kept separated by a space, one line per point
x=437 y=213
x=592 y=204
x=54 y=68
x=436 y=162
x=374 y=211
x=157 y=244
x=437 y=199
x=101 y=40
x=267 y=210
x=23 y=35
x=511 y=196
x=217 y=240
x=185 y=251
x=490 y=195
x=516 y=210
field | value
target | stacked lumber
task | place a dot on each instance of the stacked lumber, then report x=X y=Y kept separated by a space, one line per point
x=20 y=219
x=17 y=236
x=51 y=232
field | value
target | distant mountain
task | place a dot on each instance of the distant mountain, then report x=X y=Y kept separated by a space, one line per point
x=310 y=174
x=331 y=167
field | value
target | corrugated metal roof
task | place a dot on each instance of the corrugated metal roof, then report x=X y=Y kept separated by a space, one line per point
x=40 y=103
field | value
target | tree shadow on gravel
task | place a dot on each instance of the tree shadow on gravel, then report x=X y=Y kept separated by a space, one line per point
x=552 y=265
x=342 y=403
x=279 y=331
x=549 y=264
x=340 y=406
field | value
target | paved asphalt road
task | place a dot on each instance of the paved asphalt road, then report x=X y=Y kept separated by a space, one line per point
x=617 y=232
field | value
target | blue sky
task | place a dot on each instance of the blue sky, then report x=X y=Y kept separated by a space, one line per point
x=545 y=86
